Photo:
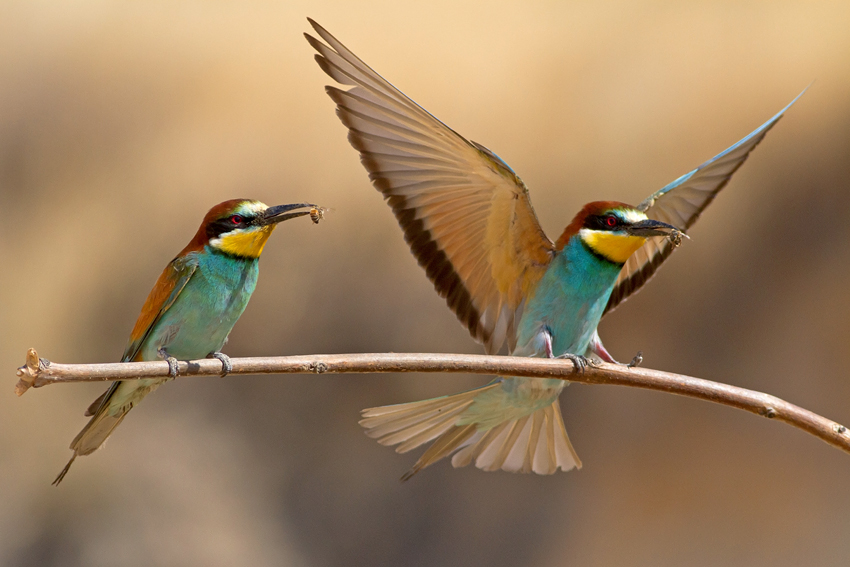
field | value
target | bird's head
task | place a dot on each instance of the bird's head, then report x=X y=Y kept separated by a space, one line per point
x=614 y=230
x=241 y=227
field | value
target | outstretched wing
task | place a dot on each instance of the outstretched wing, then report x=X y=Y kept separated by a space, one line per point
x=465 y=214
x=169 y=285
x=680 y=203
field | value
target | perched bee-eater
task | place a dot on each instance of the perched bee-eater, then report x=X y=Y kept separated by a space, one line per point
x=192 y=307
x=468 y=220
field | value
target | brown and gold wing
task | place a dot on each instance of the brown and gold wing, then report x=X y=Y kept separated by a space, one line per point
x=168 y=286
x=465 y=214
x=680 y=203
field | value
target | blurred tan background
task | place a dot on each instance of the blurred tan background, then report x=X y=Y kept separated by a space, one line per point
x=122 y=123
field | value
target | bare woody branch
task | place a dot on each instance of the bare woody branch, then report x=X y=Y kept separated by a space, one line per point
x=39 y=372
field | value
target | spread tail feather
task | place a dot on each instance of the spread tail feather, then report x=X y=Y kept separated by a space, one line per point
x=534 y=443
x=529 y=442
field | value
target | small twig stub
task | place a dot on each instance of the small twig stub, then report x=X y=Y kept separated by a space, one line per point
x=28 y=373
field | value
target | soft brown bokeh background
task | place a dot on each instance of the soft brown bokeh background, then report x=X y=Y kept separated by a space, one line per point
x=122 y=123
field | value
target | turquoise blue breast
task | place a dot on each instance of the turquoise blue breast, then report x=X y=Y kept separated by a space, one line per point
x=205 y=311
x=569 y=300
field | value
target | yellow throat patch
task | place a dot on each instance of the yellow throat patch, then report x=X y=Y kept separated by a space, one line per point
x=614 y=247
x=247 y=243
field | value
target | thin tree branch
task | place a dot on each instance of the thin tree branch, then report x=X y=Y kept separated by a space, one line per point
x=39 y=372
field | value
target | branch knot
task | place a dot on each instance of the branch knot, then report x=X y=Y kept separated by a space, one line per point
x=29 y=372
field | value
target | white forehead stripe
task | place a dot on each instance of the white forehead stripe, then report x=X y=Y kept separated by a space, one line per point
x=251 y=208
x=631 y=215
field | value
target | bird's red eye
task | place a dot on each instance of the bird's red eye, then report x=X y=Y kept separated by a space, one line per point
x=611 y=221
x=236 y=219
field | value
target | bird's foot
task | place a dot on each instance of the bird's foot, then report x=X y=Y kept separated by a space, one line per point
x=636 y=360
x=226 y=365
x=579 y=362
x=172 y=362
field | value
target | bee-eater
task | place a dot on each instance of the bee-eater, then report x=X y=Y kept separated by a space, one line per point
x=192 y=307
x=468 y=220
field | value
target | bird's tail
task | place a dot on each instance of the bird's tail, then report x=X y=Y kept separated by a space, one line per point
x=107 y=411
x=489 y=425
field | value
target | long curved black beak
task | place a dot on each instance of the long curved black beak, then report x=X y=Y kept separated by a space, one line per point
x=280 y=213
x=651 y=227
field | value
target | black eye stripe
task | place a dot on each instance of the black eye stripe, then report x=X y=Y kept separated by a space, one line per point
x=600 y=222
x=223 y=225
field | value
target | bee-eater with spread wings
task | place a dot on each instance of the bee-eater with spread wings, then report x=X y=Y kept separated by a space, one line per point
x=192 y=307
x=468 y=220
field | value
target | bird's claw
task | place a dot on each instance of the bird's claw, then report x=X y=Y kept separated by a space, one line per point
x=636 y=360
x=172 y=362
x=226 y=365
x=172 y=366
x=579 y=362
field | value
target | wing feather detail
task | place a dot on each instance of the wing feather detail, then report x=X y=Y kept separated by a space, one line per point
x=465 y=214
x=680 y=203
x=168 y=286
x=171 y=282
